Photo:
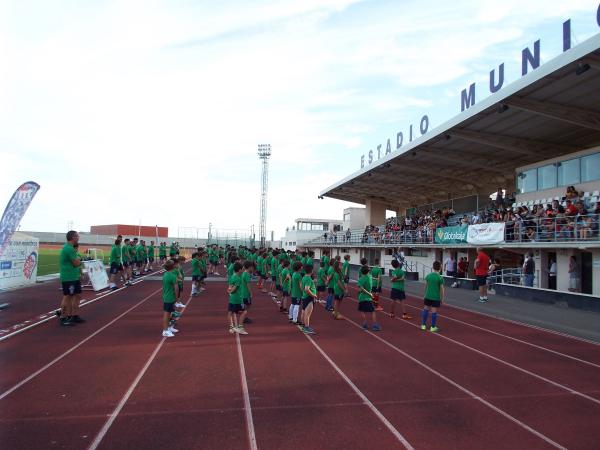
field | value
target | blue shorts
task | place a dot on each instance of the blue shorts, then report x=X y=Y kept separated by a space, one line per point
x=169 y=307
x=247 y=301
x=366 y=306
x=397 y=294
x=235 y=308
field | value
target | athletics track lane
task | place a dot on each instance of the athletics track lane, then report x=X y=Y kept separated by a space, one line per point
x=65 y=405
x=564 y=417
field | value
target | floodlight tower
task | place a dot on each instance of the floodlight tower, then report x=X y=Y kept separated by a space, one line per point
x=264 y=153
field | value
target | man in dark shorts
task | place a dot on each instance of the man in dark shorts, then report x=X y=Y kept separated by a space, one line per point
x=116 y=265
x=482 y=264
x=70 y=278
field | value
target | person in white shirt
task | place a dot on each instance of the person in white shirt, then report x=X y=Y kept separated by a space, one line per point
x=552 y=275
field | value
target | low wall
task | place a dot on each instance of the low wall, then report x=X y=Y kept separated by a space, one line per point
x=462 y=283
x=547 y=296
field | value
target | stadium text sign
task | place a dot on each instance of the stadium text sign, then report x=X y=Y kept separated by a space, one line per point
x=529 y=60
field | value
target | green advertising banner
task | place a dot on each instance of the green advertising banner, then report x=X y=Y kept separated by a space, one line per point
x=451 y=235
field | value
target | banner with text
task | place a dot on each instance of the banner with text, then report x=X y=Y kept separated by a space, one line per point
x=451 y=235
x=486 y=234
x=96 y=273
x=19 y=261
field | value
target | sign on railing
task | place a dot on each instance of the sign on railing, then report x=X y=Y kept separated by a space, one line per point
x=486 y=233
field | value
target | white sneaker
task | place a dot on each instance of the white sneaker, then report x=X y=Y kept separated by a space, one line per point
x=217 y=274
x=202 y=289
x=240 y=330
x=179 y=305
x=173 y=330
x=168 y=333
x=232 y=330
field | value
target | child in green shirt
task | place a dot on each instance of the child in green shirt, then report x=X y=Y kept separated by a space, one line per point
x=309 y=294
x=169 y=281
x=236 y=305
x=397 y=294
x=365 y=299
x=376 y=273
x=434 y=297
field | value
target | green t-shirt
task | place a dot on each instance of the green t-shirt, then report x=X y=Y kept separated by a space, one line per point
x=259 y=264
x=235 y=298
x=330 y=274
x=132 y=252
x=169 y=279
x=195 y=267
x=434 y=283
x=68 y=272
x=285 y=282
x=296 y=289
x=115 y=254
x=139 y=251
x=150 y=251
x=244 y=286
x=162 y=250
x=398 y=273
x=365 y=282
x=337 y=277
x=307 y=281
x=325 y=261
x=321 y=276
x=172 y=250
x=182 y=275
x=203 y=266
x=376 y=272
x=230 y=271
x=346 y=268
x=125 y=254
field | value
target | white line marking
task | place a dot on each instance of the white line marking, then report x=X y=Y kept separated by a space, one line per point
x=83 y=303
x=136 y=381
x=463 y=389
x=247 y=406
x=76 y=346
x=362 y=396
x=125 y=397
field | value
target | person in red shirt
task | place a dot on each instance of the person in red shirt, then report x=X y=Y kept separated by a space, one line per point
x=482 y=264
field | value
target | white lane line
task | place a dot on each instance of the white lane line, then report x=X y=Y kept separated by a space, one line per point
x=462 y=388
x=83 y=303
x=362 y=396
x=121 y=404
x=539 y=347
x=76 y=346
x=247 y=406
x=113 y=416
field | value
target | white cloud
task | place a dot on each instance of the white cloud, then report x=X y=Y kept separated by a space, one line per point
x=153 y=110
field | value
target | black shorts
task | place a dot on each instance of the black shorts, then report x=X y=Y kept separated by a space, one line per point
x=295 y=301
x=247 y=301
x=264 y=277
x=366 y=306
x=346 y=279
x=306 y=302
x=235 y=308
x=330 y=290
x=278 y=287
x=115 y=268
x=397 y=294
x=168 y=307
x=71 y=287
x=151 y=260
x=196 y=278
x=273 y=279
x=321 y=288
x=162 y=257
x=481 y=280
x=339 y=297
x=285 y=293
x=432 y=303
x=126 y=264
x=202 y=277
x=376 y=289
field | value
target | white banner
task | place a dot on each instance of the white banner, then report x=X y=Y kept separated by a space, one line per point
x=486 y=233
x=96 y=272
x=19 y=261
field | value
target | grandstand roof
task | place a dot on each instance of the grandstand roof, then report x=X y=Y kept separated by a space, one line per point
x=550 y=112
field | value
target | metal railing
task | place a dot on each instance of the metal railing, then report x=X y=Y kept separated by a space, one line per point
x=580 y=228
x=514 y=276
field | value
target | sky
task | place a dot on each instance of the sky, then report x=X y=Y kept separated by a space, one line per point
x=152 y=111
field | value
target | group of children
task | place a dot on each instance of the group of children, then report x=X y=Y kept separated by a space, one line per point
x=290 y=279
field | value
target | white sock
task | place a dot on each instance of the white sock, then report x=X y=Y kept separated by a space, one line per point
x=295 y=314
x=290 y=311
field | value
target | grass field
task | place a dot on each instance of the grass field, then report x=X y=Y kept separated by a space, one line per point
x=48 y=261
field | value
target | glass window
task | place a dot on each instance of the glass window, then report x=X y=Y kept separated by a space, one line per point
x=546 y=177
x=527 y=181
x=568 y=172
x=590 y=168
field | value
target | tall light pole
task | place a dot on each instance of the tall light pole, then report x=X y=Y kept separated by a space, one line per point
x=264 y=153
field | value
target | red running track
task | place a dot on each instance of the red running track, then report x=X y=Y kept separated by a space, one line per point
x=114 y=382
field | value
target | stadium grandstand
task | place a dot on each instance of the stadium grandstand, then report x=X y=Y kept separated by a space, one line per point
x=517 y=173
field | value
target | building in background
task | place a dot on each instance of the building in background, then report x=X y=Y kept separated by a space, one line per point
x=308 y=229
x=130 y=230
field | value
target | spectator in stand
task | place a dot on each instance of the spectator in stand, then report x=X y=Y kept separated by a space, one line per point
x=482 y=264
x=571 y=193
x=499 y=197
x=464 y=221
x=573 y=275
x=529 y=270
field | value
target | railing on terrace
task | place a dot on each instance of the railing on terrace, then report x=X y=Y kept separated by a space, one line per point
x=536 y=229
